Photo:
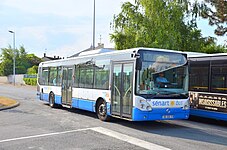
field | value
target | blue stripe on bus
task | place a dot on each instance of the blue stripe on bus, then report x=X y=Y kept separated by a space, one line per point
x=209 y=114
x=58 y=99
x=76 y=103
x=45 y=97
x=108 y=109
x=83 y=104
x=159 y=114
x=87 y=105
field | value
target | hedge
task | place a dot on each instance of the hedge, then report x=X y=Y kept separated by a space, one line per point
x=30 y=81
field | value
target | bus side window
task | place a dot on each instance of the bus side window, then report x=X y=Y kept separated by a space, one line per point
x=76 y=76
x=44 y=77
x=53 y=76
x=59 y=75
x=101 y=75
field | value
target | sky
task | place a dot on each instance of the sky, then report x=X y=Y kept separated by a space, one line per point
x=62 y=27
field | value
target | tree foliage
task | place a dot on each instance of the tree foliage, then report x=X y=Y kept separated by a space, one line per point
x=159 y=23
x=216 y=16
x=213 y=10
x=32 y=70
x=23 y=61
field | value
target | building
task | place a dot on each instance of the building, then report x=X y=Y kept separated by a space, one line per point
x=48 y=58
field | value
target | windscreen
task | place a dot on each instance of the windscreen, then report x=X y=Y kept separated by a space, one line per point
x=162 y=73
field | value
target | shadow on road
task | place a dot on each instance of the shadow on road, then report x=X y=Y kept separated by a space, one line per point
x=196 y=129
x=184 y=129
x=208 y=121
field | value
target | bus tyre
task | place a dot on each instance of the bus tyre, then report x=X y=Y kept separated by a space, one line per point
x=101 y=111
x=51 y=100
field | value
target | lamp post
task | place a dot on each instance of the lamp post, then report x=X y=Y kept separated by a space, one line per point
x=14 y=57
x=94 y=27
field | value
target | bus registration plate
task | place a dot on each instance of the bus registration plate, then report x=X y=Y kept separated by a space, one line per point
x=167 y=116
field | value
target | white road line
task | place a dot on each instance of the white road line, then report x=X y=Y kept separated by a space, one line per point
x=43 y=135
x=132 y=140
x=114 y=134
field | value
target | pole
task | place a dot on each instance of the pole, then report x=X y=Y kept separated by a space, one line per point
x=14 y=57
x=93 y=45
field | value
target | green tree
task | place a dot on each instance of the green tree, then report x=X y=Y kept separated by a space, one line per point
x=213 y=10
x=33 y=59
x=126 y=25
x=216 y=12
x=32 y=70
x=158 y=23
x=6 y=66
x=23 y=61
x=213 y=48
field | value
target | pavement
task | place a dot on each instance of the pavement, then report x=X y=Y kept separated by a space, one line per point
x=7 y=103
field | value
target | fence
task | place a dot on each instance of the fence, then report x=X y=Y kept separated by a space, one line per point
x=9 y=79
x=3 y=79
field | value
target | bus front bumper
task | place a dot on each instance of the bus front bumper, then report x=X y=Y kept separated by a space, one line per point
x=160 y=114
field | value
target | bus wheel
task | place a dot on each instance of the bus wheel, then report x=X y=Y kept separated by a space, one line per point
x=51 y=100
x=101 y=111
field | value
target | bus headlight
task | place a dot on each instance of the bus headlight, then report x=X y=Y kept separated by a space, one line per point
x=144 y=105
x=149 y=108
x=142 y=101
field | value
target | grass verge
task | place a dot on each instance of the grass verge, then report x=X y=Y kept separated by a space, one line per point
x=5 y=102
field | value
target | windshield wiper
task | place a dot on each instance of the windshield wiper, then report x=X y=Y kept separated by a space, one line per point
x=164 y=92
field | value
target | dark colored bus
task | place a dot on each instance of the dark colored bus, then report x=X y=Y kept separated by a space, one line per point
x=208 y=86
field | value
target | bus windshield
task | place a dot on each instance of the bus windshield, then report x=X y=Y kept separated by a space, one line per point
x=162 y=74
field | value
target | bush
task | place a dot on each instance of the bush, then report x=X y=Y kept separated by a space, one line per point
x=32 y=70
x=30 y=81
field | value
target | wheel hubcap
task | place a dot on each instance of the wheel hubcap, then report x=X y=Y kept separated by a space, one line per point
x=51 y=100
x=102 y=110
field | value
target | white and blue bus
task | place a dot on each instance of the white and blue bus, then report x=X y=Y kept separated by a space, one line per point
x=120 y=84
x=208 y=85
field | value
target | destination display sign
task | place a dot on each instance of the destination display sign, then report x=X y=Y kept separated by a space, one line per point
x=212 y=102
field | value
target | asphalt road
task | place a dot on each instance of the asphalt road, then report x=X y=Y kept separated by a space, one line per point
x=34 y=125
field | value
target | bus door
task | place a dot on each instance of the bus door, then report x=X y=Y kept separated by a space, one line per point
x=121 y=97
x=67 y=82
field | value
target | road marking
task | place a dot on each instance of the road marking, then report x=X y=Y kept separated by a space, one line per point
x=114 y=134
x=126 y=138
x=43 y=135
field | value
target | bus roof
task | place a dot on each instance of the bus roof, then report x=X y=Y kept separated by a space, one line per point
x=97 y=51
x=103 y=52
x=194 y=54
x=203 y=55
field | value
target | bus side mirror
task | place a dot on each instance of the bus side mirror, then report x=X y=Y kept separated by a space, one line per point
x=138 y=64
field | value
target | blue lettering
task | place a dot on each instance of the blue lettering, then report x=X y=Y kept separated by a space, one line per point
x=160 y=103
x=154 y=103
x=179 y=103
